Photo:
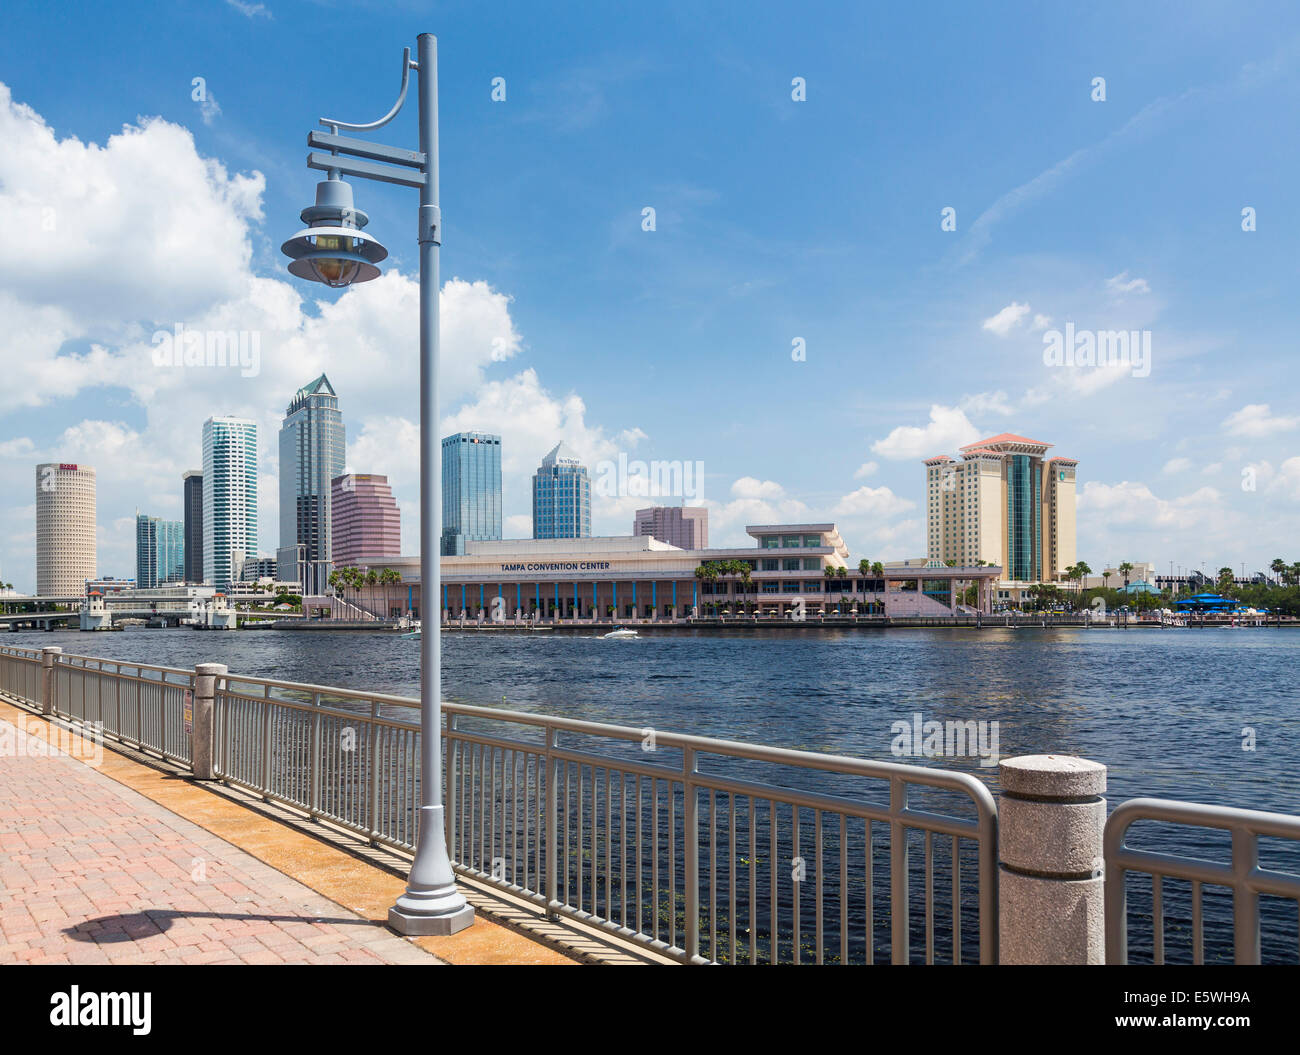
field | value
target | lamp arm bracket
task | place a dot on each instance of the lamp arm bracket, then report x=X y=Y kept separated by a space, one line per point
x=334 y=125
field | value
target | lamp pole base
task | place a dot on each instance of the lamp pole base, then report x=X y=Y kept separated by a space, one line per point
x=417 y=925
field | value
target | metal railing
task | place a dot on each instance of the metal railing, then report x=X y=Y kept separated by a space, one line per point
x=700 y=865
x=1242 y=875
x=135 y=703
x=20 y=673
x=703 y=850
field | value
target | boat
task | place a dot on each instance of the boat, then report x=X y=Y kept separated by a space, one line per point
x=621 y=632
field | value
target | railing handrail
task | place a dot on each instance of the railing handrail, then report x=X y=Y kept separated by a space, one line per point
x=1242 y=874
x=913 y=774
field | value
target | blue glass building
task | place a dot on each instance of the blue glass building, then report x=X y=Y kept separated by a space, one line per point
x=471 y=490
x=561 y=496
x=159 y=551
x=229 y=497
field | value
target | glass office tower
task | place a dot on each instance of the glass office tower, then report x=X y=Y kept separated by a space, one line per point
x=229 y=498
x=312 y=454
x=471 y=490
x=193 y=525
x=159 y=551
x=561 y=496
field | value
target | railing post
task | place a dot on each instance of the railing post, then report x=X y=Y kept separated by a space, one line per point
x=691 y=849
x=49 y=687
x=314 y=765
x=266 y=743
x=372 y=755
x=900 y=952
x=552 y=824
x=1051 y=819
x=203 y=731
x=452 y=779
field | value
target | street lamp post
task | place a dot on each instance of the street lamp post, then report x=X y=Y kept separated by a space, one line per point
x=333 y=250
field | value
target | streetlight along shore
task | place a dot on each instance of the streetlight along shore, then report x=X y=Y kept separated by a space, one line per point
x=333 y=250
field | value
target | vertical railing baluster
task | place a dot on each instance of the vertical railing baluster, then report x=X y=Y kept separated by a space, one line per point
x=691 y=850
x=899 y=908
x=552 y=821
x=313 y=761
x=956 y=899
x=372 y=761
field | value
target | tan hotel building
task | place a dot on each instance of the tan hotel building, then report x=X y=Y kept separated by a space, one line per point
x=1005 y=503
x=640 y=577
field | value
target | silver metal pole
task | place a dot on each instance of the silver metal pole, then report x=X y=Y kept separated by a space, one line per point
x=431 y=904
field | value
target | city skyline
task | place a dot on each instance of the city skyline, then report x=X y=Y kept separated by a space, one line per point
x=918 y=337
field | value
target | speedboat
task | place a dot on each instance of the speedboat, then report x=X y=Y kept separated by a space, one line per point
x=620 y=632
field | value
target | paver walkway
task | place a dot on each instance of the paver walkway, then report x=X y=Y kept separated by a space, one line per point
x=93 y=872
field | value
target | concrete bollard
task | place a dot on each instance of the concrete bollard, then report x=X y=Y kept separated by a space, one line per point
x=1051 y=817
x=203 y=733
x=48 y=685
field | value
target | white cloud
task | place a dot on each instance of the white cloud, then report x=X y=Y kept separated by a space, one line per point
x=865 y=469
x=1255 y=420
x=1121 y=283
x=749 y=487
x=1287 y=481
x=1177 y=465
x=879 y=502
x=1135 y=503
x=250 y=10
x=987 y=403
x=209 y=108
x=1007 y=319
x=949 y=428
x=1041 y=322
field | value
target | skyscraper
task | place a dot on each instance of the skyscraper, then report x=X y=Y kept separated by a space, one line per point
x=313 y=450
x=193 y=525
x=561 y=496
x=684 y=526
x=471 y=490
x=1006 y=504
x=65 y=528
x=159 y=550
x=367 y=523
x=229 y=497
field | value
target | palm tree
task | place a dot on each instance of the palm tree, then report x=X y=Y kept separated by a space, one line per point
x=746 y=580
x=1295 y=573
x=1125 y=569
x=372 y=580
x=1082 y=571
x=1278 y=567
x=1225 y=583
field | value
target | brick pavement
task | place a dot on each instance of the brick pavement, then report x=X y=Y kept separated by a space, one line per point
x=92 y=872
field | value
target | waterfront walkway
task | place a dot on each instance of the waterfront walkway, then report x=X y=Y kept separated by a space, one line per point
x=94 y=871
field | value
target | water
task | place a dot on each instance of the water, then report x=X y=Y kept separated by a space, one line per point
x=1168 y=711
x=1164 y=709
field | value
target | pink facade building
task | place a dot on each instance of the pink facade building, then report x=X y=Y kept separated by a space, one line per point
x=686 y=527
x=367 y=525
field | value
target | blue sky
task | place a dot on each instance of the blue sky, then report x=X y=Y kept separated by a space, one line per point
x=776 y=219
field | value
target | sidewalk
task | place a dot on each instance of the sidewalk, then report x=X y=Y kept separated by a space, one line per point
x=93 y=872
x=95 y=869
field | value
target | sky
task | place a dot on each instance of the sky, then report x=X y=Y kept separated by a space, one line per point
x=869 y=222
